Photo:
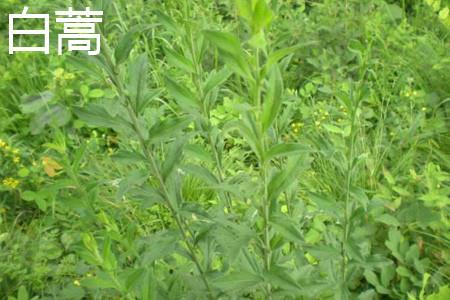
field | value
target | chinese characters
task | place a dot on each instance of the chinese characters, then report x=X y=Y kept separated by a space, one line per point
x=79 y=31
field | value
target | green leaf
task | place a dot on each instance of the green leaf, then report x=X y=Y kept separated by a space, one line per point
x=95 y=115
x=216 y=78
x=101 y=281
x=249 y=134
x=56 y=115
x=96 y=93
x=198 y=152
x=184 y=97
x=287 y=228
x=167 y=22
x=241 y=280
x=128 y=157
x=168 y=128
x=173 y=157
x=278 y=55
x=133 y=277
x=109 y=259
x=262 y=16
x=388 y=220
x=33 y=104
x=224 y=41
x=443 y=294
x=373 y=280
x=286 y=150
x=138 y=78
x=201 y=173
x=273 y=99
x=283 y=179
x=29 y=196
x=280 y=278
x=245 y=9
x=179 y=61
x=22 y=294
x=334 y=129
x=124 y=47
x=324 y=252
x=81 y=64
x=23 y=172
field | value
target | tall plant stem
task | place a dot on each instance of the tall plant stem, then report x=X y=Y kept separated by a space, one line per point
x=182 y=227
x=196 y=78
x=265 y=205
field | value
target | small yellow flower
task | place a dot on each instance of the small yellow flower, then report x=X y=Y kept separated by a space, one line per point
x=10 y=182
x=59 y=73
x=76 y=282
x=15 y=151
x=424 y=109
x=317 y=123
x=16 y=159
x=3 y=144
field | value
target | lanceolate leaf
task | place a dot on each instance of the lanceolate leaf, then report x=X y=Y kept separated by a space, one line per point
x=287 y=228
x=97 y=116
x=183 y=96
x=241 y=280
x=281 y=150
x=273 y=99
x=284 y=178
x=169 y=128
x=224 y=41
x=249 y=134
x=167 y=22
x=262 y=16
x=217 y=78
x=173 y=157
x=179 y=61
x=138 y=78
x=201 y=173
x=245 y=9
x=124 y=47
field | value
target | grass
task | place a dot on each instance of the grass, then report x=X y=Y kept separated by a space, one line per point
x=230 y=150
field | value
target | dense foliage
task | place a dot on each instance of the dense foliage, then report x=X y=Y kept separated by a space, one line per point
x=245 y=149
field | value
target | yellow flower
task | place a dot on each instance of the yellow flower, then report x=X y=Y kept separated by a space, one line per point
x=76 y=282
x=10 y=182
x=59 y=73
x=16 y=159
x=2 y=144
